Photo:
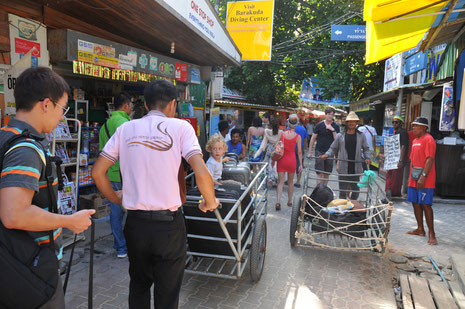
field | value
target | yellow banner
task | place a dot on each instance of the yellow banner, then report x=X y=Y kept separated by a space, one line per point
x=250 y=25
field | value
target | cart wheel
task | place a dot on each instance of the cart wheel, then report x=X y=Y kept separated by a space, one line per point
x=258 y=250
x=295 y=219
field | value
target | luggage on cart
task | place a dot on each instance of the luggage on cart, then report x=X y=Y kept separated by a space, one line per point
x=320 y=197
x=213 y=229
x=237 y=171
x=344 y=220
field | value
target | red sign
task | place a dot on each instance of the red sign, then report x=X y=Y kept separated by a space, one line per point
x=24 y=46
x=180 y=71
x=192 y=121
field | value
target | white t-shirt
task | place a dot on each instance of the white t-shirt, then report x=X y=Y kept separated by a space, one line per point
x=366 y=130
x=215 y=168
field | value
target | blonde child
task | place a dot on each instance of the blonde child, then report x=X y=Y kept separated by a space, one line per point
x=217 y=147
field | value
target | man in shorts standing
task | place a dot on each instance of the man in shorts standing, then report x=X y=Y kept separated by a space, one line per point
x=324 y=134
x=421 y=187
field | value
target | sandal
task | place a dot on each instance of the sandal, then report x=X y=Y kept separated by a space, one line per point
x=278 y=206
x=289 y=204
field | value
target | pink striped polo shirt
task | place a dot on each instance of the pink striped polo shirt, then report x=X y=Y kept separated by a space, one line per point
x=150 y=151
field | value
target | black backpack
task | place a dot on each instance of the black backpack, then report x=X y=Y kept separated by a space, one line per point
x=29 y=276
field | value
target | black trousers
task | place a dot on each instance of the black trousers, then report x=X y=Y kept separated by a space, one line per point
x=349 y=187
x=157 y=255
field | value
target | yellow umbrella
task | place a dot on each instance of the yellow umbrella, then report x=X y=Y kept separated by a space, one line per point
x=396 y=26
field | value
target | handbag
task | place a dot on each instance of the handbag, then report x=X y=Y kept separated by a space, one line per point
x=278 y=151
x=416 y=172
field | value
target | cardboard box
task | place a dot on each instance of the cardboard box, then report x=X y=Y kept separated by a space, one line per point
x=97 y=202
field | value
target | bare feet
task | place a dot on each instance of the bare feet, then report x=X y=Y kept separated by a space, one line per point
x=417 y=232
x=432 y=239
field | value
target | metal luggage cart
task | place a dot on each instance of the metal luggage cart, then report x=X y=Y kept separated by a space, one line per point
x=253 y=249
x=312 y=225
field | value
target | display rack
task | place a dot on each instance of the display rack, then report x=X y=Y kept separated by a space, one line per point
x=73 y=162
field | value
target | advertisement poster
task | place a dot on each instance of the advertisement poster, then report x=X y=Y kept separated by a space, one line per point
x=97 y=54
x=9 y=81
x=214 y=120
x=311 y=92
x=180 y=72
x=27 y=35
x=447 y=119
x=391 y=152
x=250 y=25
x=393 y=72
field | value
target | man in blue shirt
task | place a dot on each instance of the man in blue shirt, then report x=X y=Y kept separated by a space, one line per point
x=235 y=145
x=300 y=129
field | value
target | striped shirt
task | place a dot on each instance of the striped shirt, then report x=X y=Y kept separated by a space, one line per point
x=24 y=166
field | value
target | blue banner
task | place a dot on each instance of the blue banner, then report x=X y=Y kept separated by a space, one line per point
x=348 y=33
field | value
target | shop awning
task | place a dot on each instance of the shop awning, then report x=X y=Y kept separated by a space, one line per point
x=243 y=105
x=397 y=26
x=172 y=28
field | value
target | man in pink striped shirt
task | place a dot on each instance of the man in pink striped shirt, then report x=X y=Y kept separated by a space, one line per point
x=150 y=151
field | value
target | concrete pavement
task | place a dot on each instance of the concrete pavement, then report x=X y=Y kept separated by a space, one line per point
x=292 y=278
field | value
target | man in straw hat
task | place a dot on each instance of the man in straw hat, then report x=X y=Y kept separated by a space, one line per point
x=394 y=177
x=349 y=147
x=422 y=179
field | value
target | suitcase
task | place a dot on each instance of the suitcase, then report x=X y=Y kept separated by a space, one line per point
x=213 y=228
x=239 y=172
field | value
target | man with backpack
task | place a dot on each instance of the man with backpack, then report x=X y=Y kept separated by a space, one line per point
x=123 y=107
x=28 y=196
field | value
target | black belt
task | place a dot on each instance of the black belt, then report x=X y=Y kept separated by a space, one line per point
x=155 y=215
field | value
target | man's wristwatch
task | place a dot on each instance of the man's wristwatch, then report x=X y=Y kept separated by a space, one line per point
x=424 y=174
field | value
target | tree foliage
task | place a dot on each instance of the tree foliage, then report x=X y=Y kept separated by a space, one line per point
x=302 y=48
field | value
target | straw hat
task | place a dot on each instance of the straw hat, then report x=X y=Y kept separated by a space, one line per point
x=352 y=117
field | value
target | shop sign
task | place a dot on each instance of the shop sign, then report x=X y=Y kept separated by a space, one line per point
x=126 y=62
x=166 y=68
x=153 y=63
x=89 y=69
x=195 y=76
x=200 y=14
x=393 y=72
x=250 y=25
x=361 y=106
x=86 y=48
x=26 y=35
x=97 y=54
x=434 y=56
x=180 y=72
x=415 y=63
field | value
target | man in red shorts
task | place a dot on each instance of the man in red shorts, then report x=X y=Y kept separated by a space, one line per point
x=422 y=179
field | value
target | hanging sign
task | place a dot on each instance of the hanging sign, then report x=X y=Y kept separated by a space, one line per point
x=348 y=33
x=250 y=25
